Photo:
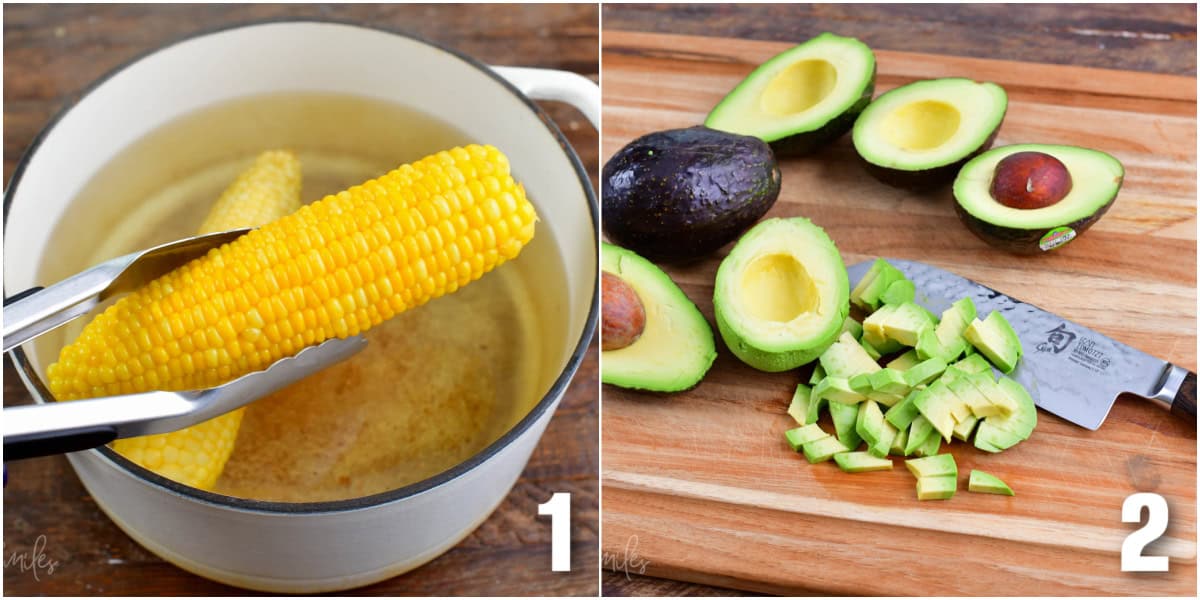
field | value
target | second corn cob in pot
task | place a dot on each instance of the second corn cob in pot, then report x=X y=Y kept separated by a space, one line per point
x=196 y=455
x=331 y=269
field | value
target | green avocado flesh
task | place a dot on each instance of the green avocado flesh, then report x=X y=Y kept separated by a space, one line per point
x=1000 y=433
x=940 y=389
x=933 y=466
x=861 y=462
x=799 y=407
x=798 y=437
x=823 y=449
x=936 y=488
x=675 y=349
x=781 y=295
x=802 y=98
x=1096 y=178
x=986 y=483
x=996 y=339
x=918 y=135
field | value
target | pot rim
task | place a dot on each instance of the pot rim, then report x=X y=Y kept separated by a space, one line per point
x=549 y=399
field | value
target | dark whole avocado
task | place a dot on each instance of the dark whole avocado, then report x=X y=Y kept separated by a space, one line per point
x=677 y=195
x=1096 y=177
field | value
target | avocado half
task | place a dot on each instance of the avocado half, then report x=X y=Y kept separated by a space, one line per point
x=782 y=295
x=676 y=347
x=919 y=135
x=1096 y=178
x=678 y=195
x=803 y=98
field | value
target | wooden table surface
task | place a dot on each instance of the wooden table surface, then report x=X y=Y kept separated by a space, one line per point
x=50 y=55
x=1158 y=39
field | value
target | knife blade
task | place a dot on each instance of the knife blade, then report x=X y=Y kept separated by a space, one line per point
x=1068 y=369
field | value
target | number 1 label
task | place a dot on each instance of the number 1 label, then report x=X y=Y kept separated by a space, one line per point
x=559 y=509
x=1156 y=523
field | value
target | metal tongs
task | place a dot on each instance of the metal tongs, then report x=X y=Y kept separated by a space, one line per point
x=58 y=427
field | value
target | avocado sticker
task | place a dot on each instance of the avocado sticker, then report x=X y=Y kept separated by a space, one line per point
x=1059 y=236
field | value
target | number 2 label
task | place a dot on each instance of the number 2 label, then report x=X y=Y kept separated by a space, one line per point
x=1156 y=523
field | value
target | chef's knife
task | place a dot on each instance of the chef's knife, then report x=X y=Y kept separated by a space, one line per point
x=1069 y=369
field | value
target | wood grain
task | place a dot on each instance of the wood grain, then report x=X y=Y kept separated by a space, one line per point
x=51 y=53
x=703 y=481
x=1159 y=38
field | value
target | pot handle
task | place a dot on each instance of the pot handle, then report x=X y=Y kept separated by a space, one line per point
x=552 y=84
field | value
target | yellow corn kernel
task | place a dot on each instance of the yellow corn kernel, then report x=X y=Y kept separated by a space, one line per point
x=266 y=191
x=346 y=263
x=269 y=189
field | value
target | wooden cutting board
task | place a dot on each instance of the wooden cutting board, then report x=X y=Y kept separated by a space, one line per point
x=699 y=486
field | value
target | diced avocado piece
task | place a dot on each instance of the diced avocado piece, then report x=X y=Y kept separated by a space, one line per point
x=846 y=358
x=1000 y=433
x=852 y=326
x=798 y=437
x=975 y=363
x=995 y=338
x=815 y=404
x=861 y=383
x=837 y=389
x=873 y=324
x=899 y=442
x=964 y=428
x=918 y=434
x=933 y=466
x=845 y=417
x=902 y=414
x=986 y=483
x=872 y=351
x=867 y=281
x=798 y=409
x=890 y=381
x=936 y=404
x=880 y=342
x=861 y=462
x=958 y=409
x=932 y=445
x=884 y=398
x=817 y=375
x=887 y=437
x=870 y=422
x=823 y=449
x=1002 y=403
x=904 y=362
x=874 y=283
x=899 y=292
x=905 y=324
x=936 y=488
x=924 y=372
x=946 y=340
x=966 y=391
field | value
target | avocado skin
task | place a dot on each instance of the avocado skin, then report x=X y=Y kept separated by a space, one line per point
x=677 y=195
x=806 y=142
x=926 y=179
x=1023 y=241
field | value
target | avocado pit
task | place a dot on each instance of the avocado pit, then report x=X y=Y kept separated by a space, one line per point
x=623 y=317
x=1030 y=180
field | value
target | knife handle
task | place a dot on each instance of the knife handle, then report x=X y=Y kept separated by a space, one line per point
x=1184 y=404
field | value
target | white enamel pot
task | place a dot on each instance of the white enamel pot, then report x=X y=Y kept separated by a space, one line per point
x=306 y=548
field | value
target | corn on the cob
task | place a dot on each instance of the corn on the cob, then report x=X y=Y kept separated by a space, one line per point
x=196 y=455
x=331 y=269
